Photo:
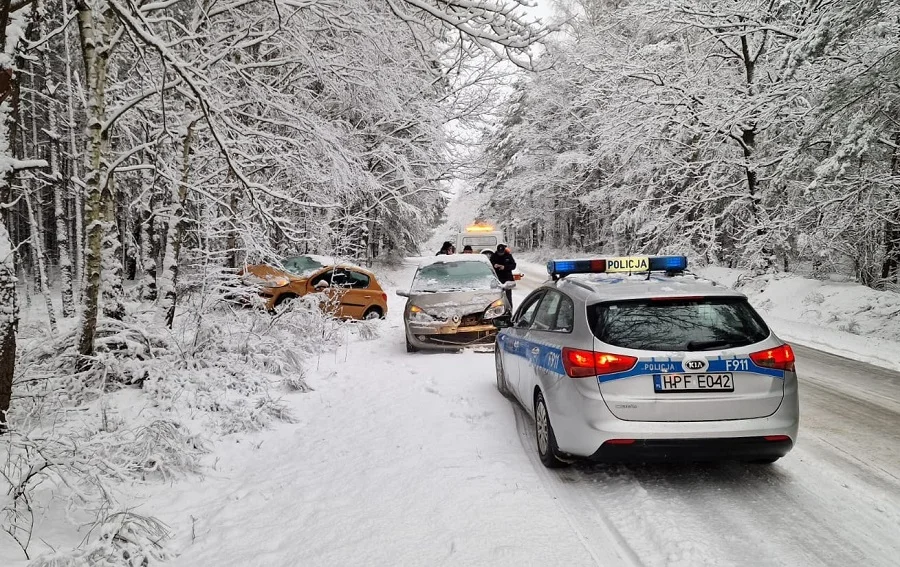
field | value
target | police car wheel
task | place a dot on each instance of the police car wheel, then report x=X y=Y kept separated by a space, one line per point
x=546 y=439
x=501 y=374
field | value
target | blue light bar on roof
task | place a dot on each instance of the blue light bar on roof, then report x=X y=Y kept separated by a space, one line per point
x=668 y=263
x=629 y=264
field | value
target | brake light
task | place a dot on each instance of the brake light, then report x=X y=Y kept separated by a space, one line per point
x=779 y=358
x=384 y=297
x=578 y=363
x=776 y=438
x=585 y=363
x=609 y=363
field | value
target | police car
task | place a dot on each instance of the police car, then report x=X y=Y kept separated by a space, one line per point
x=636 y=359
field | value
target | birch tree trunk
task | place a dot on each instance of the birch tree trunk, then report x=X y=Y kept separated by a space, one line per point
x=175 y=234
x=111 y=258
x=94 y=30
x=37 y=246
x=76 y=193
x=147 y=255
x=56 y=178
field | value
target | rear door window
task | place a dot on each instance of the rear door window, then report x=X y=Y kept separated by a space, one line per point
x=356 y=280
x=556 y=313
x=526 y=312
x=695 y=324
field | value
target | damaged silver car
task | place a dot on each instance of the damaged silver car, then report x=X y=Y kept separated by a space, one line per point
x=454 y=302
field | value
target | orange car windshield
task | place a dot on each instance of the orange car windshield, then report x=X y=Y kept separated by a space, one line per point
x=301 y=265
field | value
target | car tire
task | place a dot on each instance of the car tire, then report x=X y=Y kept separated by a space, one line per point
x=548 y=450
x=502 y=386
x=373 y=313
x=410 y=347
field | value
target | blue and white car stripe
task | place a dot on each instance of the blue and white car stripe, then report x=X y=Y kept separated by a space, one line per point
x=549 y=357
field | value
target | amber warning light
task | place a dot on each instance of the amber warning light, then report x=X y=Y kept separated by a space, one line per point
x=479 y=228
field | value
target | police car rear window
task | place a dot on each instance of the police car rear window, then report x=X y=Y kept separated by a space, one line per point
x=678 y=324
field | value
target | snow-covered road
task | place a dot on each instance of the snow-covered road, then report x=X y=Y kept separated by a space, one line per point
x=416 y=459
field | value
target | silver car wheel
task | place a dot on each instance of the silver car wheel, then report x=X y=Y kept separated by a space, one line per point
x=543 y=427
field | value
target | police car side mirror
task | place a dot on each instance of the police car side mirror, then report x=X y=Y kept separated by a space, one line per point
x=402 y=293
x=503 y=322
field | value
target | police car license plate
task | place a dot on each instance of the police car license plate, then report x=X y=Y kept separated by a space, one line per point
x=713 y=382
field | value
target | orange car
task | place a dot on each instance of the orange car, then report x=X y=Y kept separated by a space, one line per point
x=354 y=292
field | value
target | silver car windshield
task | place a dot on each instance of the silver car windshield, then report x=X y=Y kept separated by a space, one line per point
x=454 y=276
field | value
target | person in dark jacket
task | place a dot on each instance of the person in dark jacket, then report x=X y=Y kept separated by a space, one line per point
x=446 y=248
x=504 y=264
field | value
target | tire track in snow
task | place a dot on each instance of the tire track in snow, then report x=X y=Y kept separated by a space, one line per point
x=658 y=523
x=612 y=548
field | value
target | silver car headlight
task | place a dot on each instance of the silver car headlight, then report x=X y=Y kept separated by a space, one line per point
x=495 y=309
x=418 y=315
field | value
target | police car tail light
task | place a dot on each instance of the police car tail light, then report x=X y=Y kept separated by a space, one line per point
x=587 y=363
x=779 y=358
x=578 y=363
x=607 y=363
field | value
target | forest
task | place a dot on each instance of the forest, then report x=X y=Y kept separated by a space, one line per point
x=152 y=149
x=759 y=134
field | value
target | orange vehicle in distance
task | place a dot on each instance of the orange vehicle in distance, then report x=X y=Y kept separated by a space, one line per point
x=353 y=292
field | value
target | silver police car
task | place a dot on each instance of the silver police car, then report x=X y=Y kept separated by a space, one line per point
x=635 y=359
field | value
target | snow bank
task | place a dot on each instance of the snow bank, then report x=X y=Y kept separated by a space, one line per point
x=156 y=403
x=836 y=316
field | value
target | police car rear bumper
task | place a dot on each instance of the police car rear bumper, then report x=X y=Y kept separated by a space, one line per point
x=584 y=425
x=716 y=449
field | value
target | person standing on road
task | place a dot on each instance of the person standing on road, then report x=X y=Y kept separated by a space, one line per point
x=504 y=264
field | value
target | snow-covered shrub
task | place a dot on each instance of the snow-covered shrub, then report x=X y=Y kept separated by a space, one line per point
x=162 y=449
x=368 y=330
x=122 y=539
x=850 y=326
x=252 y=415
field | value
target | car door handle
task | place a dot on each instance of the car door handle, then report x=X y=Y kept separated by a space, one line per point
x=516 y=344
x=368 y=296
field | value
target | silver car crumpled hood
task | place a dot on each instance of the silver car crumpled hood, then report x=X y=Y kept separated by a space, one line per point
x=445 y=305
